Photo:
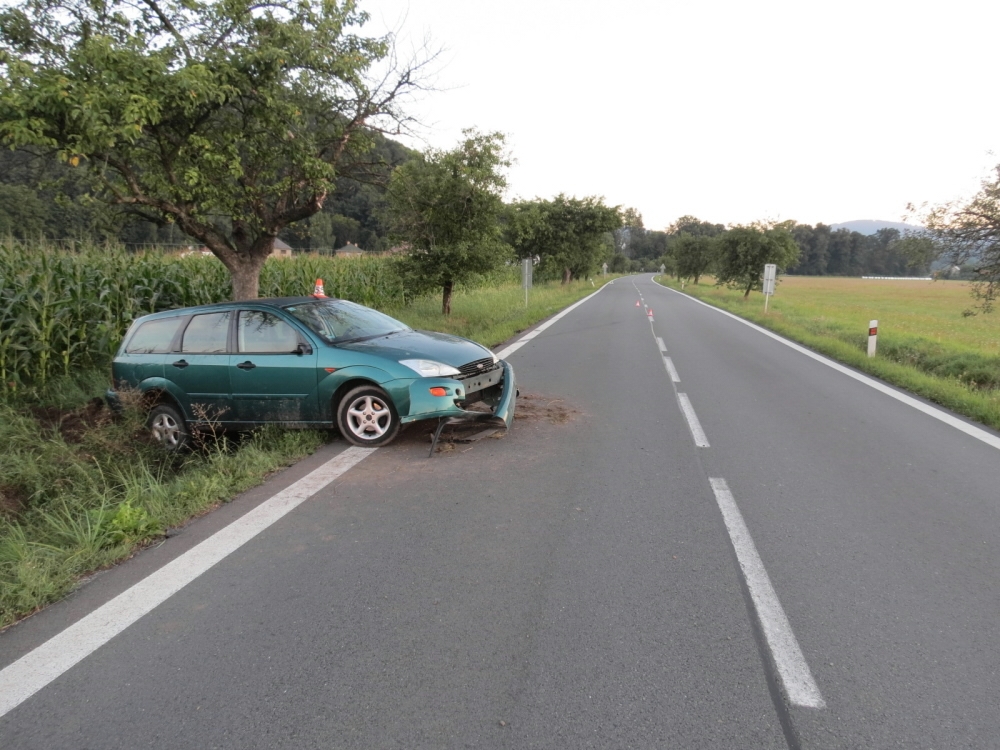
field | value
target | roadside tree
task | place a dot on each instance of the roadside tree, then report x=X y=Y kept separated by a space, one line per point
x=446 y=206
x=231 y=118
x=694 y=255
x=571 y=236
x=745 y=250
x=970 y=230
x=625 y=234
x=695 y=226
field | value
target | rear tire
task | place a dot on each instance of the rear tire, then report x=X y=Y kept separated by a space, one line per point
x=367 y=417
x=167 y=427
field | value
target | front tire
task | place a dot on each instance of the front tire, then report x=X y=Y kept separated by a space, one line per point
x=367 y=417
x=167 y=427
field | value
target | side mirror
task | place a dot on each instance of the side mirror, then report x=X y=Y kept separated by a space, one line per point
x=303 y=348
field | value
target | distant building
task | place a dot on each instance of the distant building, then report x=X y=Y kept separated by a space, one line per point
x=281 y=249
x=348 y=250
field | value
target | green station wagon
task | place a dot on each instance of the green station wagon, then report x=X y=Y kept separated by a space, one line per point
x=304 y=362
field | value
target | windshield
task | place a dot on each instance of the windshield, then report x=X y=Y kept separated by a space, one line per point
x=339 y=321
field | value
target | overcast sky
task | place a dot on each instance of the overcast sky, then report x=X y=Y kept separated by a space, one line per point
x=730 y=111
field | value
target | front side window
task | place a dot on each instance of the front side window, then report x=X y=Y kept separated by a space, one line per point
x=207 y=334
x=154 y=336
x=264 y=333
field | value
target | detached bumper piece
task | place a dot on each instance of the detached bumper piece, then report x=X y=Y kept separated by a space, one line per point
x=501 y=416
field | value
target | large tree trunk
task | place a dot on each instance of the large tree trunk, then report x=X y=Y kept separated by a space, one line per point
x=245 y=263
x=246 y=278
x=446 y=297
x=567 y=276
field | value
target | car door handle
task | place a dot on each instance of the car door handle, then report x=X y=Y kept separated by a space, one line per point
x=248 y=365
x=181 y=363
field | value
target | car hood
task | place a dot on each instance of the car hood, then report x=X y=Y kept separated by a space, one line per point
x=440 y=347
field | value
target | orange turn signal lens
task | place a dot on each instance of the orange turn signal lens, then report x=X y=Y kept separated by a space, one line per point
x=439 y=391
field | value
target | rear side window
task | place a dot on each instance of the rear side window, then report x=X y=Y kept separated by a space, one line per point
x=265 y=333
x=154 y=336
x=207 y=334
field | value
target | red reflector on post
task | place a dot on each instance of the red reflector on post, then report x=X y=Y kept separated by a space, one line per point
x=873 y=331
x=438 y=391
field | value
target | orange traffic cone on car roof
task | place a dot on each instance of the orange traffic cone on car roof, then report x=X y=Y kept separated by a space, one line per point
x=318 y=290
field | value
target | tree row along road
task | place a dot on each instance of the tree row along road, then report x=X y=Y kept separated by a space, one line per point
x=693 y=536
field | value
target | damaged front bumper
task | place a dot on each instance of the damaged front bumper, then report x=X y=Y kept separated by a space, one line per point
x=449 y=405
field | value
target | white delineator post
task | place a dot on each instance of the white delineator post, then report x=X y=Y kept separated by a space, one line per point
x=872 y=336
x=526 y=277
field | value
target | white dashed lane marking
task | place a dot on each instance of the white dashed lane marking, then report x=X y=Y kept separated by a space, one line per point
x=671 y=369
x=800 y=687
x=692 y=419
x=793 y=671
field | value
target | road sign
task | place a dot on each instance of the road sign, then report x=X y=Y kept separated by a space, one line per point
x=770 y=272
x=662 y=268
x=604 y=269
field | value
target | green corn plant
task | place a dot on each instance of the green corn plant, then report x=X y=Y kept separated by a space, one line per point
x=64 y=308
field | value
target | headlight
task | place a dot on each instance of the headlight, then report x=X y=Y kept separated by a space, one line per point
x=428 y=369
x=495 y=357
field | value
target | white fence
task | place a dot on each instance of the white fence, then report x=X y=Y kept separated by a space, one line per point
x=899 y=278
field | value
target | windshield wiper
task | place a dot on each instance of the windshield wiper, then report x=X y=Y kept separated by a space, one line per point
x=370 y=336
x=358 y=338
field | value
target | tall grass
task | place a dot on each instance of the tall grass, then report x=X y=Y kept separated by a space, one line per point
x=70 y=507
x=63 y=310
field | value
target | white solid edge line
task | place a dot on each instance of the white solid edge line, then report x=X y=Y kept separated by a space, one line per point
x=36 y=669
x=692 y=419
x=507 y=351
x=792 y=668
x=659 y=343
x=931 y=411
x=671 y=369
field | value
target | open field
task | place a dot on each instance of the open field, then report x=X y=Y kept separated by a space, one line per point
x=925 y=343
x=930 y=310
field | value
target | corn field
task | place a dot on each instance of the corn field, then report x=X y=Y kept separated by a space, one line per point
x=62 y=310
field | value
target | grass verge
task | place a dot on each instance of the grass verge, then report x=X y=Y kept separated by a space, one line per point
x=918 y=346
x=493 y=315
x=80 y=491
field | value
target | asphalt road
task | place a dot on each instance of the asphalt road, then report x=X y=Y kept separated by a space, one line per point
x=575 y=583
